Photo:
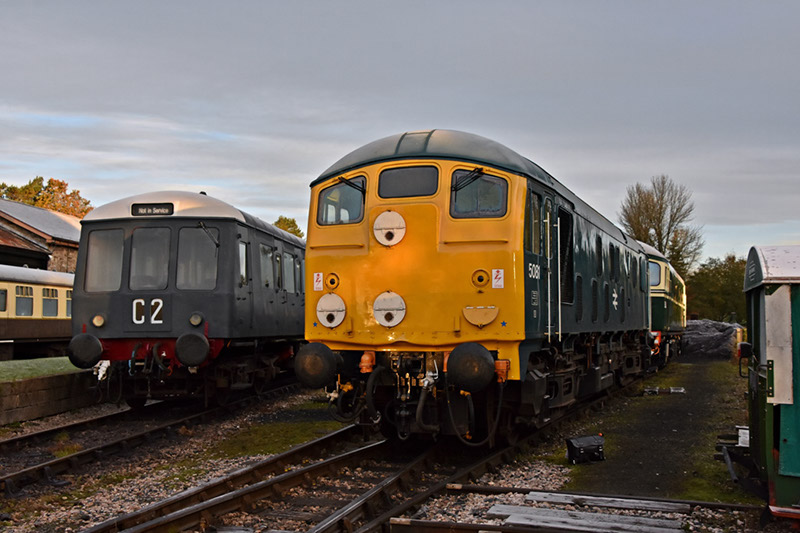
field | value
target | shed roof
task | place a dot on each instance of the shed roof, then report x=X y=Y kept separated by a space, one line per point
x=57 y=226
x=772 y=264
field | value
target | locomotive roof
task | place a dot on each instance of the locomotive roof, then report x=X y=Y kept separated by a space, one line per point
x=652 y=251
x=33 y=275
x=184 y=205
x=462 y=146
x=438 y=144
x=772 y=264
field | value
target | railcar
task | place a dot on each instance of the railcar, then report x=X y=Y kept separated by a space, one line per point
x=667 y=306
x=185 y=296
x=35 y=310
x=772 y=292
x=456 y=288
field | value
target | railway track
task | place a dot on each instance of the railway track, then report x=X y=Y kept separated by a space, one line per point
x=29 y=459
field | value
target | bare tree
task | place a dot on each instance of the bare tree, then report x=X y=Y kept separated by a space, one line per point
x=660 y=215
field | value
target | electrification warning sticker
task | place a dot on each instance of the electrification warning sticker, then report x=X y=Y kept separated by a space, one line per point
x=317 y=281
x=498 y=278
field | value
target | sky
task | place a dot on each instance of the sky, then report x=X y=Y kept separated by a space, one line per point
x=251 y=100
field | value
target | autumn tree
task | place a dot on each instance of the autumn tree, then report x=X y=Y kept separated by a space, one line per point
x=55 y=195
x=288 y=224
x=660 y=215
x=714 y=289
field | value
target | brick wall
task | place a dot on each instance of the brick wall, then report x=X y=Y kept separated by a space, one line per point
x=28 y=399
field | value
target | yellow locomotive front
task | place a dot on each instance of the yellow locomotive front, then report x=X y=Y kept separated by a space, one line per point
x=413 y=313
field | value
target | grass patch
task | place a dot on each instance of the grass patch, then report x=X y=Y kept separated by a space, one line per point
x=33 y=368
x=300 y=423
x=273 y=438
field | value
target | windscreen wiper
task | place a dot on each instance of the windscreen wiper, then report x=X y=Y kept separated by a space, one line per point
x=466 y=180
x=208 y=232
x=357 y=186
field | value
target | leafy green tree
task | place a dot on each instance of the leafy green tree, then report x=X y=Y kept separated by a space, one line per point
x=660 y=215
x=288 y=224
x=55 y=195
x=714 y=290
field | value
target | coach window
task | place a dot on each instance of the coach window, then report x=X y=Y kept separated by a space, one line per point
x=342 y=203
x=267 y=262
x=104 y=260
x=288 y=272
x=3 y=299
x=243 y=274
x=655 y=274
x=149 y=259
x=69 y=303
x=197 y=258
x=474 y=194
x=408 y=182
x=49 y=302
x=24 y=301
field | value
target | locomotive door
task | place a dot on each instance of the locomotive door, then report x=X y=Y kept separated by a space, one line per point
x=536 y=266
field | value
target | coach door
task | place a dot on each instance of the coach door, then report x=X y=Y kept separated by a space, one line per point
x=535 y=265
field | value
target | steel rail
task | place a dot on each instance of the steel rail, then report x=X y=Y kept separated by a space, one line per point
x=248 y=497
x=222 y=485
x=12 y=482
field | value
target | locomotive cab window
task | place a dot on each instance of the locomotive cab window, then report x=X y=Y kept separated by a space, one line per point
x=655 y=274
x=408 y=182
x=197 y=258
x=565 y=256
x=149 y=259
x=532 y=230
x=342 y=203
x=474 y=194
x=104 y=260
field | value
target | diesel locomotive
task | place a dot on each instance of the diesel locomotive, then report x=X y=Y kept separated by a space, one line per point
x=456 y=288
x=667 y=306
x=185 y=296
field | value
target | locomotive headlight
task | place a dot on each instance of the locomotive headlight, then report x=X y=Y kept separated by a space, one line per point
x=331 y=310
x=196 y=319
x=98 y=321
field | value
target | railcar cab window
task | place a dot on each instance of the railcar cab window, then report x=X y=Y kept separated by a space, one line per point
x=197 y=258
x=149 y=259
x=342 y=203
x=408 y=182
x=655 y=274
x=104 y=260
x=474 y=194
